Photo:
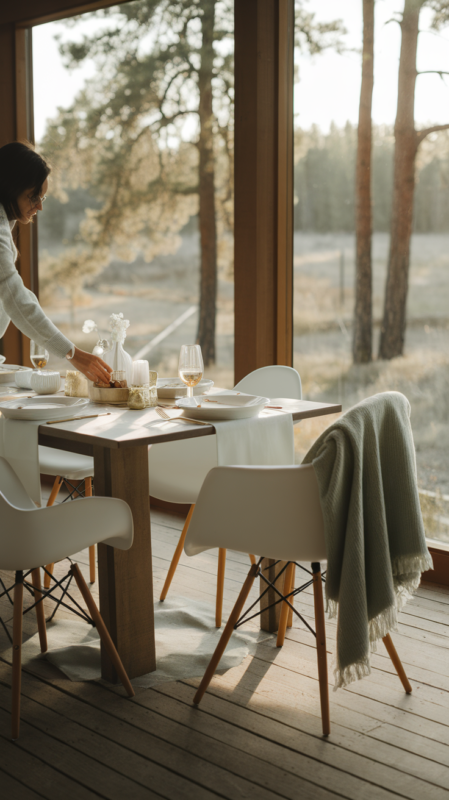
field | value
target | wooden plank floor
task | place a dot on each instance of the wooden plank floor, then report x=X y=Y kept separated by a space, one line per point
x=257 y=733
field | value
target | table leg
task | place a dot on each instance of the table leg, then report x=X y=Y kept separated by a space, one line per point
x=269 y=618
x=126 y=576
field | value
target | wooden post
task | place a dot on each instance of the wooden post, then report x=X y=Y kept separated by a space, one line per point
x=16 y=123
x=263 y=230
x=269 y=618
x=126 y=576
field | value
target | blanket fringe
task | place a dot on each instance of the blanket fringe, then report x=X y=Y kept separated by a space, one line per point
x=406 y=576
x=355 y=672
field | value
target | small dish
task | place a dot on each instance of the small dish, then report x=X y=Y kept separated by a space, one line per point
x=45 y=381
x=171 y=388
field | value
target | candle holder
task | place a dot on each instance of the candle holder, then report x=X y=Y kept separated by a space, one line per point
x=153 y=388
x=138 y=397
x=75 y=384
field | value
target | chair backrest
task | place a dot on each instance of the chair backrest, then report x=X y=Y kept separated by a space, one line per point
x=269 y=511
x=178 y=469
x=274 y=381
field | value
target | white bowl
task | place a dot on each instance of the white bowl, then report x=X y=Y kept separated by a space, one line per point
x=113 y=397
x=224 y=406
x=45 y=382
x=23 y=378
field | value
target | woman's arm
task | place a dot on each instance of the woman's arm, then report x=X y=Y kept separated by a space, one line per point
x=93 y=367
x=22 y=307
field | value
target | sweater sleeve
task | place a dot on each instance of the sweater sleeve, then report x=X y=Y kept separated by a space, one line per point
x=21 y=305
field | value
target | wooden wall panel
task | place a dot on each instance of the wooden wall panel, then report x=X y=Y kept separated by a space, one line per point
x=35 y=12
x=263 y=183
x=7 y=84
x=16 y=123
x=12 y=342
x=27 y=234
x=440 y=572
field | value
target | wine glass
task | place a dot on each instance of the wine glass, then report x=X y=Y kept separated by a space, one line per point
x=190 y=366
x=38 y=355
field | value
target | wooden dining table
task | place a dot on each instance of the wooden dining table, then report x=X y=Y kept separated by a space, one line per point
x=119 y=445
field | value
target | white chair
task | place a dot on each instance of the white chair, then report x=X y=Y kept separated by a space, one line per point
x=66 y=467
x=274 y=381
x=178 y=469
x=31 y=536
x=274 y=511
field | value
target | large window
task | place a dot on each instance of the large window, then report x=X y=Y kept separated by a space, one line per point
x=138 y=126
x=326 y=117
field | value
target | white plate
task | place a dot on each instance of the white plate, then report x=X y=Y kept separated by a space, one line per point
x=226 y=406
x=43 y=407
x=170 y=388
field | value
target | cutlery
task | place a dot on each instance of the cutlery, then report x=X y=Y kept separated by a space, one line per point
x=166 y=417
x=70 y=419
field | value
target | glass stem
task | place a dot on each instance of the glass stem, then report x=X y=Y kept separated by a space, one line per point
x=190 y=391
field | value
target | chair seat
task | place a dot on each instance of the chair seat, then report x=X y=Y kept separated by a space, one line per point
x=67 y=465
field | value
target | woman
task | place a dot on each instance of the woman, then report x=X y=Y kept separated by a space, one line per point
x=23 y=187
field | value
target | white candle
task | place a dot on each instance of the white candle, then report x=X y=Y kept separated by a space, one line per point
x=141 y=373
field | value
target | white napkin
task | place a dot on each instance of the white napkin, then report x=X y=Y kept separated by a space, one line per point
x=19 y=443
x=264 y=440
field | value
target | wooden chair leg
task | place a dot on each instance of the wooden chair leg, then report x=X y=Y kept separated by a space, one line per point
x=55 y=491
x=102 y=629
x=283 y=619
x=47 y=576
x=40 y=613
x=53 y=495
x=252 y=558
x=88 y=493
x=292 y=599
x=220 y=586
x=321 y=648
x=177 y=555
x=397 y=663
x=226 y=635
x=17 y=654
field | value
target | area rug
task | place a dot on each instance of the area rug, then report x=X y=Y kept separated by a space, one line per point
x=185 y=634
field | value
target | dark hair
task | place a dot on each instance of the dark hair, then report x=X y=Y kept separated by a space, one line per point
x=21 y=168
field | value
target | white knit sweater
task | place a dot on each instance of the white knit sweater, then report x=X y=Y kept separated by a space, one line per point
x=20 y=305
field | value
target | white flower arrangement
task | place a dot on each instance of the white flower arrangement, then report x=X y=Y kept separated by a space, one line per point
x=89 y=326
x=117 y=326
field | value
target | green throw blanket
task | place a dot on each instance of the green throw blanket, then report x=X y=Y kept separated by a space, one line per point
x=366 y=469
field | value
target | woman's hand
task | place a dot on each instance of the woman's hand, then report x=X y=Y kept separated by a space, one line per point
x=93 y=367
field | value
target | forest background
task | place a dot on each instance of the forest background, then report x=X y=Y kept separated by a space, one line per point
x=145 y=257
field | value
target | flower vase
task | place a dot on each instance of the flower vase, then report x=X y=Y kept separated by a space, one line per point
x=119 y=359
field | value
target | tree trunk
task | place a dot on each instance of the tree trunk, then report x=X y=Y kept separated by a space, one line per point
x=362 y=343
x=207 y=216
x=406 y=145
